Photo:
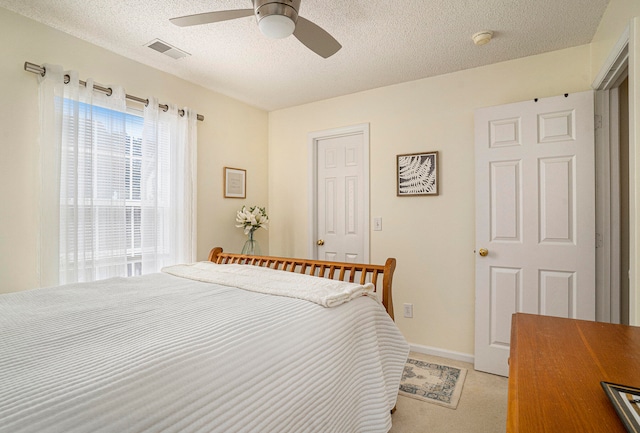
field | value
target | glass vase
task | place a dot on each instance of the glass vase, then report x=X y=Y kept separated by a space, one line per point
x=251 y=247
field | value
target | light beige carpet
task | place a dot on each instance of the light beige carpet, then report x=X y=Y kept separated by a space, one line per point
x=482 y=407
x=432 y=382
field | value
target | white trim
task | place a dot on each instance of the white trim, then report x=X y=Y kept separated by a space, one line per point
x=611 y=74
x=634 y=138
x=614 y=66
x=615 y=200
x=603 y=198
x=312 y=169
x=312 y=143
x=607 y=206
x=449 y=354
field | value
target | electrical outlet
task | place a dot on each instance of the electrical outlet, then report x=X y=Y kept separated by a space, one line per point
x=377 y=224
x=408 y=310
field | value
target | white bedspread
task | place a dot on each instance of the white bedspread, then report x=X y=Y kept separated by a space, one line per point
x=322 y=291
x=163 y=353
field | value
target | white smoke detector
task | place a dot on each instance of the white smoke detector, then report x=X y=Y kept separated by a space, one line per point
x=482 y=37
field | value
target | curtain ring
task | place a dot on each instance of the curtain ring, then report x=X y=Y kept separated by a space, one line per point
x=110 y=91
x=146 y=104
x=165 y=108
x=67 y=78
x=44 y=71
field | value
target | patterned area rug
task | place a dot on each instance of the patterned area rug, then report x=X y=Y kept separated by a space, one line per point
x=434 y=383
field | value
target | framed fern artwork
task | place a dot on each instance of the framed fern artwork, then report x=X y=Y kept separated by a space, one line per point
x=417 y=174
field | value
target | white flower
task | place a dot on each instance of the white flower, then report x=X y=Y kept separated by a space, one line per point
x=251 y=218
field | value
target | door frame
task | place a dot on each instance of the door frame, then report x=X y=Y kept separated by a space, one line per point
x=612 y=73
x=312 y=142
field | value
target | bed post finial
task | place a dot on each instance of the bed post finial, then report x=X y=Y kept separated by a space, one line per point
x=387 y=278
x=213 y=254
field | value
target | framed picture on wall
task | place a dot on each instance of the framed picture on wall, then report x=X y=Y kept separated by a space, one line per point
x=235 y=183
x=417 y=174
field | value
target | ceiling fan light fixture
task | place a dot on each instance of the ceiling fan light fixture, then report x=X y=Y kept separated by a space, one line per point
x=276 y=26
x=276 y=18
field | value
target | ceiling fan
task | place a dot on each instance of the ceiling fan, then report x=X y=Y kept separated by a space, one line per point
x=276 y=19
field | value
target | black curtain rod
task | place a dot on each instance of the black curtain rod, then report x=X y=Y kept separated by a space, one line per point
x=37 y=69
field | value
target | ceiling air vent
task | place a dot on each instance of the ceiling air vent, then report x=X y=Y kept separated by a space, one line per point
x=165 y=48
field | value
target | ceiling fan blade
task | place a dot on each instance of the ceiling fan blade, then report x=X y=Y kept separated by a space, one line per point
x=211 y=17
x=316 y=38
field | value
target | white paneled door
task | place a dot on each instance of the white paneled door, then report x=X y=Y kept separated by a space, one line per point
x=535 y=217
x=342 y=229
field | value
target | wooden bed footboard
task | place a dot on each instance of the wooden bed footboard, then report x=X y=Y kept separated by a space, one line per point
x=321 y=268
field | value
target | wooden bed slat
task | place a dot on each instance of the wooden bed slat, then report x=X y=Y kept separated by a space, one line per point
x=352 y=274
x=309 y=267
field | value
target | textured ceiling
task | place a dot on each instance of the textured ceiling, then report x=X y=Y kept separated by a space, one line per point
x=384 y=42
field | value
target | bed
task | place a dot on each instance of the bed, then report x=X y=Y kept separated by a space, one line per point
x=214 y=346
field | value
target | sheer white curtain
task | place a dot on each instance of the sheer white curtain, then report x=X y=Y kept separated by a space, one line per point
x=168 y=186
x=117 y=190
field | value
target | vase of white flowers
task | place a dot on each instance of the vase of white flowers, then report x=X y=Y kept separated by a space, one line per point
x=251 y=219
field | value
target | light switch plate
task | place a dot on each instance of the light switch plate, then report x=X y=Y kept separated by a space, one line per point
x=377 y=224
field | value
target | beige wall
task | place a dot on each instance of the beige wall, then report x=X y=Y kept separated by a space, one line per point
x=233 y=134
x=432 y=237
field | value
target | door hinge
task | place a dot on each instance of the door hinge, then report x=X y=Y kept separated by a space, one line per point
x=597 y=121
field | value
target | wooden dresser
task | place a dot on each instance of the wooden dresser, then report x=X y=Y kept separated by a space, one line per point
x=555 y=369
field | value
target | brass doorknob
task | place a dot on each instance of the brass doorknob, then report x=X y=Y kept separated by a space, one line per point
x=483 y=252
x=320 y=242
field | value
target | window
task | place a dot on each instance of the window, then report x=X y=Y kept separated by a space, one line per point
x=118 y=187
x=103 y=191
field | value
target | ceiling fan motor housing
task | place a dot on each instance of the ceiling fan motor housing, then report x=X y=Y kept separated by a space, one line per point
x=283 y=13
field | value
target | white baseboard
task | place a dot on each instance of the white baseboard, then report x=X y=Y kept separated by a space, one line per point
x=434 y=351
